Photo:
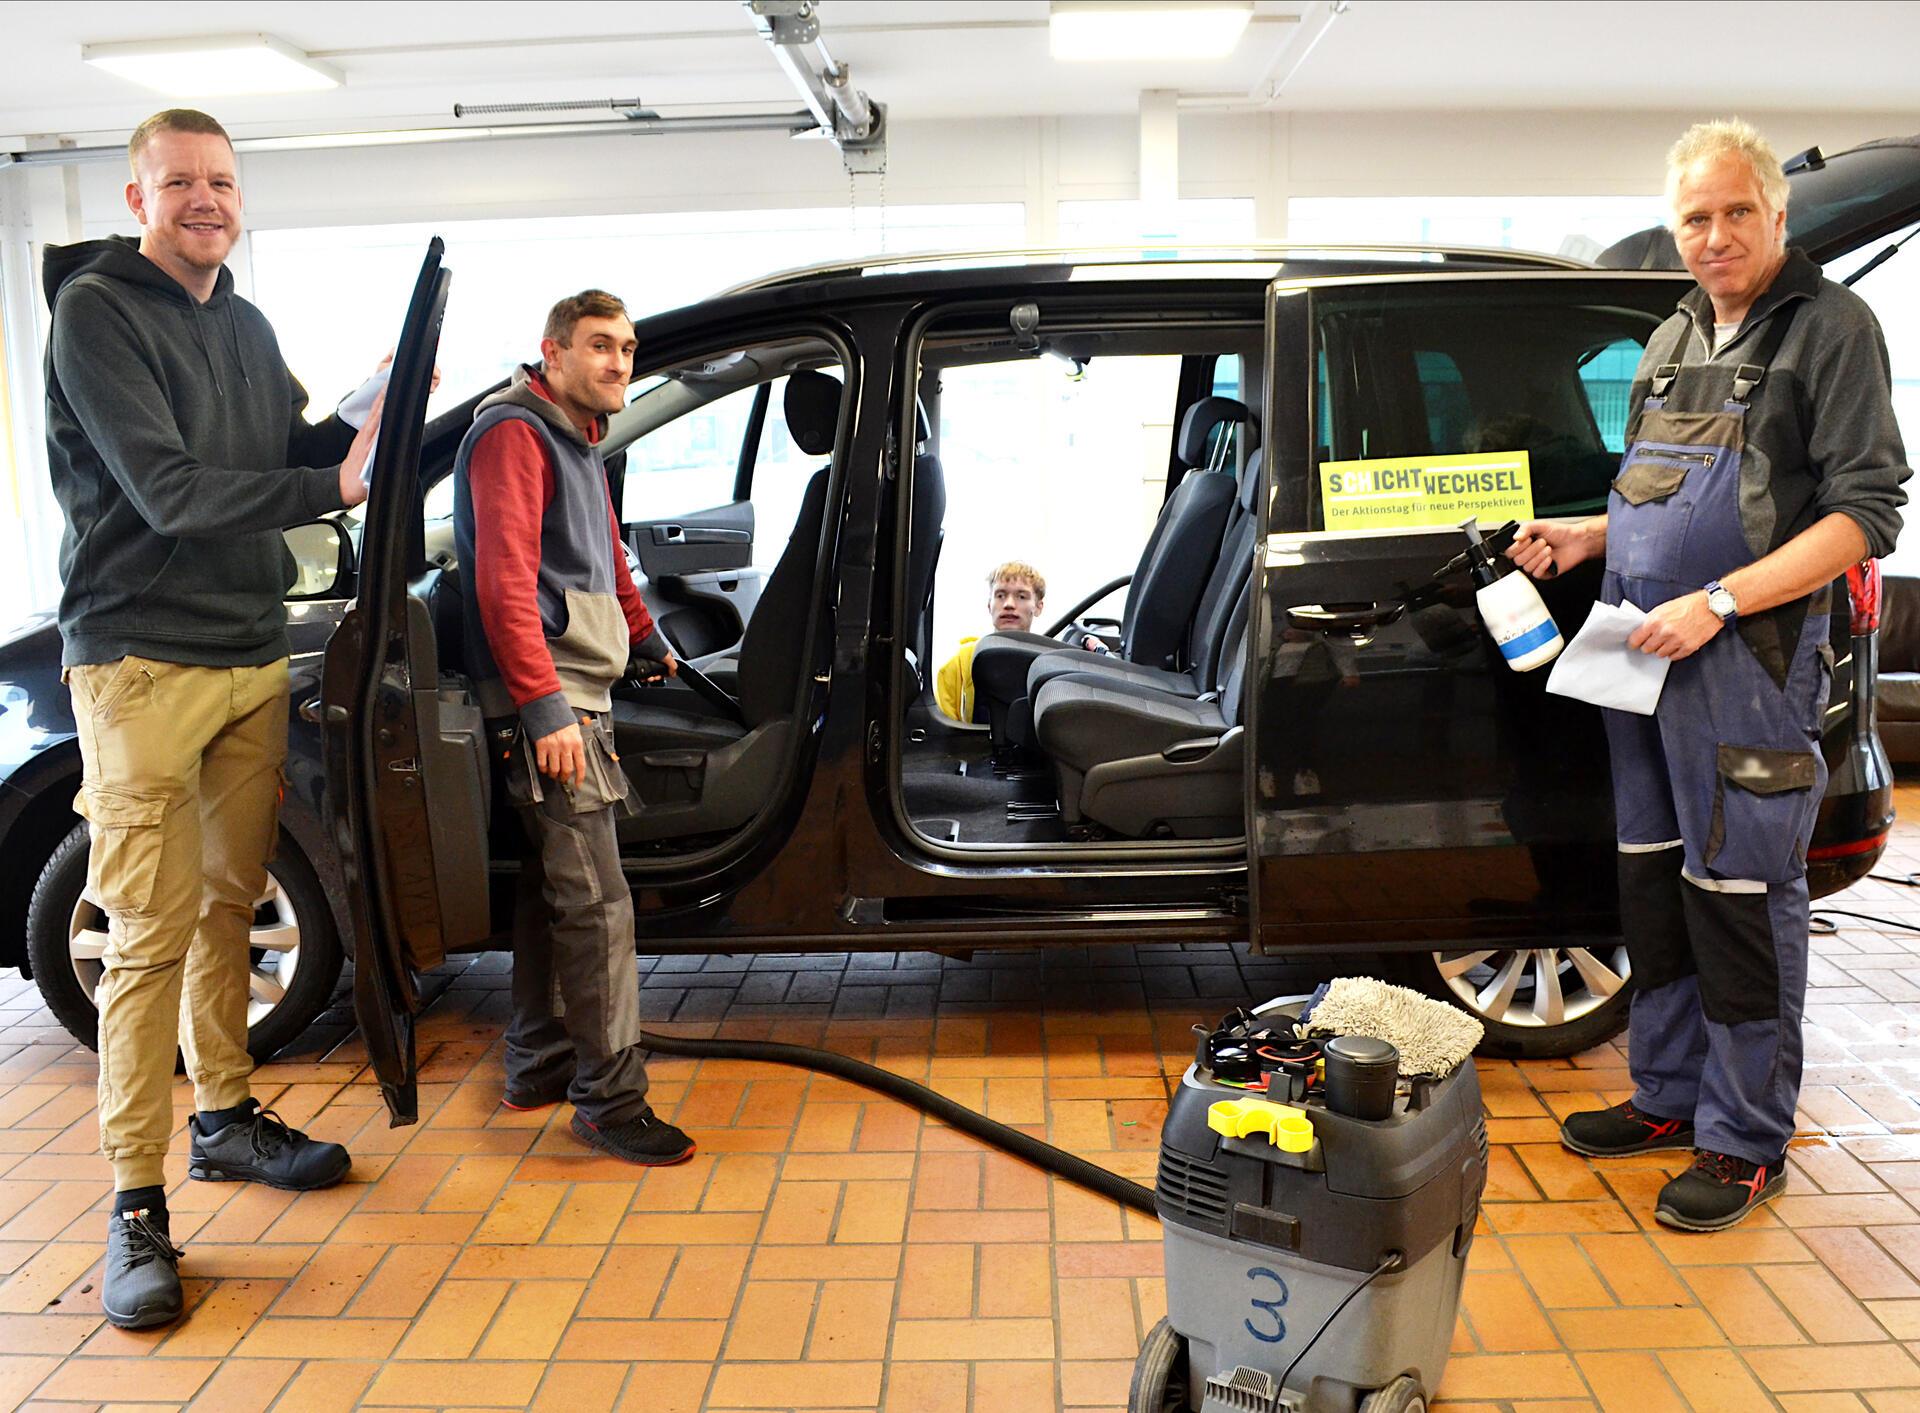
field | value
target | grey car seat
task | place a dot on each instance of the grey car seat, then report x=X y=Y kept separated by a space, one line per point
x=928 y=514
x=1166 y=583
x=1140 y=761
x=696 y=771
x=811 y=405
x=1206 y=636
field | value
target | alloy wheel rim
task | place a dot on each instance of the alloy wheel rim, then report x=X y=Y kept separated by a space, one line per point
x=1534 y=987
x=273 y=949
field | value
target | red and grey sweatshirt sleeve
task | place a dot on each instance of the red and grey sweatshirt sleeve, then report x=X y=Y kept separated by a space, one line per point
x=511 y=482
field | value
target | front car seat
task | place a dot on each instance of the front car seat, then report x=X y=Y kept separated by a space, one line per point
x=697 y=772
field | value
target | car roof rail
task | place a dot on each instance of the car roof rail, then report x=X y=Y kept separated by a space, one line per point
x=1171 y=256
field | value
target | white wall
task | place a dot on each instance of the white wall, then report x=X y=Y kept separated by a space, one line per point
x=1038 y=161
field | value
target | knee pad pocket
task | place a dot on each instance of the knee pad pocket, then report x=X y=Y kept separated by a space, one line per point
x=1733 y=945
x=1652 y=919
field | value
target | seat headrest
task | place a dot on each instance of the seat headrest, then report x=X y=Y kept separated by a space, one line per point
x=1197 y=426
x=813 y=410
x=922 y=429
x=1250 y=483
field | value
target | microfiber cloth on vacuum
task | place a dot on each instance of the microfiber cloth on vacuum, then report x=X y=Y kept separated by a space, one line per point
x=1431 y=1036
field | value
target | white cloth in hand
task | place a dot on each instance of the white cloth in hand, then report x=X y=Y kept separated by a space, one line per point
x=356 y=407
x=1599 y=667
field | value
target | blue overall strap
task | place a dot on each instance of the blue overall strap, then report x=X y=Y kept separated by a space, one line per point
x=1748 y=375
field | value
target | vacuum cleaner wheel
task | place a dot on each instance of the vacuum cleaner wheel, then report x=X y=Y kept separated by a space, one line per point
x=1160 y=1374
x=1403 y=1395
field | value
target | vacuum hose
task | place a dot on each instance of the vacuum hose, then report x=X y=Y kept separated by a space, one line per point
x=1074 y=1169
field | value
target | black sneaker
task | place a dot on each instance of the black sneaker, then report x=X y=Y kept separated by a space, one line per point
x=1621 y=1130
x=262 y=1148
x=542 y=1095
x=140 y=1284
x=646 y=1140
x=1718 y=1190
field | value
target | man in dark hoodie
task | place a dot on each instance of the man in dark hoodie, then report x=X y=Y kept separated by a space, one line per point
x=178 y=453
x=553 y=619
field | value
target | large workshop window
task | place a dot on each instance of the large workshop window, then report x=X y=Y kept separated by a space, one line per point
x=336 y=294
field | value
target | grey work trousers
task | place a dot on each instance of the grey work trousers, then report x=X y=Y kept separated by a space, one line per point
x=576 y=989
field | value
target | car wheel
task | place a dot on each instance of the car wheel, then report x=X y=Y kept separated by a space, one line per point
x=1535 y=1002
x=293 y=962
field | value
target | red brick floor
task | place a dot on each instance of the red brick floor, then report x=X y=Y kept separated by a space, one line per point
x=829 y=1250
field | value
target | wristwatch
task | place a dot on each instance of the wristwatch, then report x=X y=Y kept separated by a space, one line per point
x=1720 y=599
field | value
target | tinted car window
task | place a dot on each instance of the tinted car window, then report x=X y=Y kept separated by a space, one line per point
x=1545 y=368
x=1607 y=378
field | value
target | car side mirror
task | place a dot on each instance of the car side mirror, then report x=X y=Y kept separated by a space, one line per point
x=322 y=559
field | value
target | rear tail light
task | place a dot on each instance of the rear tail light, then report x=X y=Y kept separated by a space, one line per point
x=1863 y=588
x=1850 y=849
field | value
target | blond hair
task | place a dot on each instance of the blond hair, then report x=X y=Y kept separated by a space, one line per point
x=1728 y=137
x=1016 y=569
x=188 y=120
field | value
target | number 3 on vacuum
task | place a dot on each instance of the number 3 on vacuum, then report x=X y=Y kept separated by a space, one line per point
x=1268 y=1307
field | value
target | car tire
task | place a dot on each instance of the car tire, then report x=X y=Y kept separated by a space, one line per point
x=58 y=918
x=1502 y=989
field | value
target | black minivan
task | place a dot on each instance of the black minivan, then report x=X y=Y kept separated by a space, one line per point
x=1348 y=768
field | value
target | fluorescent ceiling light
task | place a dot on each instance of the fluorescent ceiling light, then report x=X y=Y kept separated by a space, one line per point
x=1149 y=29
x=214 y=66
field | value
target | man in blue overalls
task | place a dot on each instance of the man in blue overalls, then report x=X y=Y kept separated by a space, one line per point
x=1764 y=460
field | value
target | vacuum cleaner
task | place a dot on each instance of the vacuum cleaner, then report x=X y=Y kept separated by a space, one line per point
x=1318 y=1189
x=1320 y=1174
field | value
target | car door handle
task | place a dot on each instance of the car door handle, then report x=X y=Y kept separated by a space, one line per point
x=699 y=535
x=319 y=714
x=1345 y=617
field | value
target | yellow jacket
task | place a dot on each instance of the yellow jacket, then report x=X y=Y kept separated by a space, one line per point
x=953 y=686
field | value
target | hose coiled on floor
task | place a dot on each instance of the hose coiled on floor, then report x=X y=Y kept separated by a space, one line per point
x=1073 y=1168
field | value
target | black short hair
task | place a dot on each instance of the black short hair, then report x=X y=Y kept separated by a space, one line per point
x=172 y=120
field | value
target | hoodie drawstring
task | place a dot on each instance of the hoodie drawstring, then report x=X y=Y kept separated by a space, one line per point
x=206 y=352
x=233 y=331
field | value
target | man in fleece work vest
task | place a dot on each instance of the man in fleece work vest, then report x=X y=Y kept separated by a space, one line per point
x=552 y=617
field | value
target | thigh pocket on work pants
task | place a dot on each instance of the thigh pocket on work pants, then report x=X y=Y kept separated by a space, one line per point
x=606 y=782
x=1761 y=802
x=123 y=862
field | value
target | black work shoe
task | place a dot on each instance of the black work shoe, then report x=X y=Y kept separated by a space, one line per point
x=261 y=1148
x=1718 y=1190
x=540 y=1095
x=1622 y=1130
x=647 y=1140
x=140 y=1284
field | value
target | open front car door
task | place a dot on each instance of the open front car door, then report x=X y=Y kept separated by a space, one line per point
x=405 y=755
x=1405 y=782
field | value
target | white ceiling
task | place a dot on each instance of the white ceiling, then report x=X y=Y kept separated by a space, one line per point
x=410 y=62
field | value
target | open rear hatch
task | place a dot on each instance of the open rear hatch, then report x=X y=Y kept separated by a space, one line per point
x=1835 y=205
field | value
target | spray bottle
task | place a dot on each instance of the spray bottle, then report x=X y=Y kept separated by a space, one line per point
x=1510 y=607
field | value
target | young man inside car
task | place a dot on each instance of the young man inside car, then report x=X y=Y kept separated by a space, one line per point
x=178 y=452
x=552 y=621
x=1016 y=594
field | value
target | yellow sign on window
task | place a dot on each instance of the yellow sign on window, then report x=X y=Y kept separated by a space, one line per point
x=1395 y=493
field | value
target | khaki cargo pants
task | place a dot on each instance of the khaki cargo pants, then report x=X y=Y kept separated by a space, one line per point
x=182 y=796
